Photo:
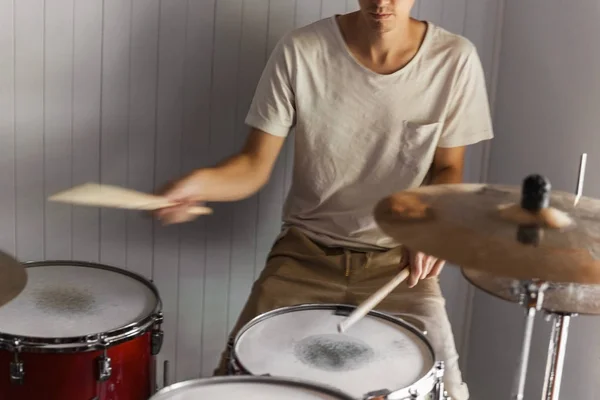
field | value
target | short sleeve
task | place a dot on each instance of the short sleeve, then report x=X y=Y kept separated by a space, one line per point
x=468 y=120
x=273 y=107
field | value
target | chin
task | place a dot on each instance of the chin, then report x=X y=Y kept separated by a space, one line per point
x=382 y=25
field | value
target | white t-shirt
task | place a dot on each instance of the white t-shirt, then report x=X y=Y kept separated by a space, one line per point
x=360 y=135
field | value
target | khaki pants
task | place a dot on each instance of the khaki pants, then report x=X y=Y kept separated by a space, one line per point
x=300 y=271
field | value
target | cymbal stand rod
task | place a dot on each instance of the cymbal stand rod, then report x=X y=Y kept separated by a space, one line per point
x=556 y=356
x=533 y=298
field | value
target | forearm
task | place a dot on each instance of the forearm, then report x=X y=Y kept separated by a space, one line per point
x=446 y=175
x=234 y=179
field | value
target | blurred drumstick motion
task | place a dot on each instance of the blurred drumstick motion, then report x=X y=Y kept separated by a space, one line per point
x=579 y=190
x=100 y=195
x=369 y=304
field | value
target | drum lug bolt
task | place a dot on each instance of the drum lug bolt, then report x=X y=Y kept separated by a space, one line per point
x=104 y=368
x=156 y=342
x=17 y=369
x=17 y=372
x=439 y=386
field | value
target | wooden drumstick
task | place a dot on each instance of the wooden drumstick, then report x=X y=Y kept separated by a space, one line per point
x=369 y=304
x=96 y=195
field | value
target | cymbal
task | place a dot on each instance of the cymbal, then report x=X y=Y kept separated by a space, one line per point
x=485 y=228
x=13 y=278
x=569 y=298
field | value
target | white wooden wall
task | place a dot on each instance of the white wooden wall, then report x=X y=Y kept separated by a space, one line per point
x=137 y=92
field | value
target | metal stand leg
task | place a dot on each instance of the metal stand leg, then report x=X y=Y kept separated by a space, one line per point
x=532 y=295
x=556 y=356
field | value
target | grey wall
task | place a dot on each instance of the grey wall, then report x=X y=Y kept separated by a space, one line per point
x=137 y=92
x=546 y=115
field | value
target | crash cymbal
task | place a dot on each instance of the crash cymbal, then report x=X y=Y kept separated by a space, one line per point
x=497 y=229
x=12 y=278
x=568 y=298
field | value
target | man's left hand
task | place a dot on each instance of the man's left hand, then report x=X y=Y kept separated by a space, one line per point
x=422 y=266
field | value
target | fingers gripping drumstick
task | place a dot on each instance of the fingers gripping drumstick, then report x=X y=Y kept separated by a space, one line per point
x=366 y=306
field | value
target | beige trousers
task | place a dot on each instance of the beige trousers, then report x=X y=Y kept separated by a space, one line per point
x=299 y=271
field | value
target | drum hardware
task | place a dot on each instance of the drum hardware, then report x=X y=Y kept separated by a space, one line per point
x=556 y=354
x=343 y=310
x=157 y=335
x=532 y=297
x=440 y=391
x=17 y=369
x=166 y=373
x=104 y=362
x=560 y=328
x=576 y=247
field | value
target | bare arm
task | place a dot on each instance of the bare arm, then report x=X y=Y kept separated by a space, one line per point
x=448 y=165
x=239 y=176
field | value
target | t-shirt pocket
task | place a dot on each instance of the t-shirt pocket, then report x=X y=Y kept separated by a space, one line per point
x=418 y=142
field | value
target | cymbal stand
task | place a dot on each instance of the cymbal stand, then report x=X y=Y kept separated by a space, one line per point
x=560 y=327
x=556 y=354
x=532 y=296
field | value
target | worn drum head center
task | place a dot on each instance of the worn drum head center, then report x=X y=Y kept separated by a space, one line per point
x=333 y=352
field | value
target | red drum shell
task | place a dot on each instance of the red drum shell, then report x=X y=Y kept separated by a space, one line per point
x=74 y=376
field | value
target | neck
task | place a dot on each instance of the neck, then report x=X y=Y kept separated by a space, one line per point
x=380 y=44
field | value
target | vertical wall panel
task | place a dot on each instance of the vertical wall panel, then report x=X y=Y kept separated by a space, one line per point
x=281 y=21
x=453 y=16
x=141 y=128
x=114 y=124
x=332 y=7
x=7 y=129
x=307 y=12
x=352 y=5
x=29 y=125
x=195 y=154
x=58 y=100
x=87 y=83
x=169 y=118
x=227 y=39
x=243 y=246
x=432 y=10
x=480 y=28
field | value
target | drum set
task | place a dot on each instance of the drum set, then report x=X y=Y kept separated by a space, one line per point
x=79 y=330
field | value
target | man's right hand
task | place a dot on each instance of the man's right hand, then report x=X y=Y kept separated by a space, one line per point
x=184 y=192
x=235 y=178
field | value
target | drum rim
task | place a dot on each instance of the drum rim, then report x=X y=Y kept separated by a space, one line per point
x=345 y=308
x=90 y=342
x=319 y=387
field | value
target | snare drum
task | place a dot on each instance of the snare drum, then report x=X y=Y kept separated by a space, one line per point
x=80 y=331
x=249 y=388
x=379 y=357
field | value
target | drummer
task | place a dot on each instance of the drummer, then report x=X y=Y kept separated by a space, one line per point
x=379 y=102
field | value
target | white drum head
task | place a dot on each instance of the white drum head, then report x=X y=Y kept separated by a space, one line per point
x=62 y=301
x=300 y=342
x=247 y=388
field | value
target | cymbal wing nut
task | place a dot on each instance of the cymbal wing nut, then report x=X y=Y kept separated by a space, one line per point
x=535 y=193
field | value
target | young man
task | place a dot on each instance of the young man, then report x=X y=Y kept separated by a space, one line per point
x=380 y=102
